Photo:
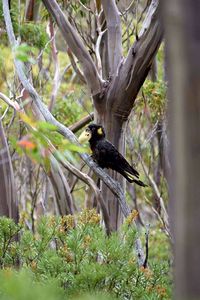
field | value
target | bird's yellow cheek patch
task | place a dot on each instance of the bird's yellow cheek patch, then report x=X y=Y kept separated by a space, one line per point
x=84 y=137
x=100 y=131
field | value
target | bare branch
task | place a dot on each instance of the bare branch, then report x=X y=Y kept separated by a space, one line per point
x=74 y=65
x=164 y=214
x=56 y=81
x=141 y=54
x=81 y=123
x=97 y=51
x=76 y=45
x=11 y=103
x=114 y=34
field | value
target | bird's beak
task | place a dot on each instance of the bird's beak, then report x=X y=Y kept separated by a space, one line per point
x=84 y=137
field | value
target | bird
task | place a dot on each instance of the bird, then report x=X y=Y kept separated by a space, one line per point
x=106 y=155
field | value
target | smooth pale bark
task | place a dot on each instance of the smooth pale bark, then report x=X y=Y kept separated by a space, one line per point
x=114 y=34
x=183 y=40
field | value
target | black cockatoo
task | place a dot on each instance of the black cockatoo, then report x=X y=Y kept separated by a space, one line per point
x=106 y=155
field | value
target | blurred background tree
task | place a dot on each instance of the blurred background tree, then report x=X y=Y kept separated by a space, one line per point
x=183 y=45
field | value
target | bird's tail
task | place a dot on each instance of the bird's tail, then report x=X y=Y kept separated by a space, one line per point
x=139 y=182
x=131 y=178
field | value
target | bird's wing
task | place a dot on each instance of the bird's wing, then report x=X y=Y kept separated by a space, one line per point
x=114 y=160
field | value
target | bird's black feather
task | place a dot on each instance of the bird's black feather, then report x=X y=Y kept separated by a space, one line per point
x=107 y=156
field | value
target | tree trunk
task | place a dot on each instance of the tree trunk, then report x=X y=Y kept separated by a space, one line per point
x=183 y=41
x=32 y=10
x=8 y=193
x=115 y=133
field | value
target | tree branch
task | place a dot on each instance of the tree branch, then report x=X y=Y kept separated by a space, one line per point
x=75 y=67
x=76 y=45
x=81 y=123
x=11 y=103
x=138 y=62
x=114 y=34
x=56 y=81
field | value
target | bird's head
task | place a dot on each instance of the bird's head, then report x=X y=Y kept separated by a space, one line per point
x=93 y=131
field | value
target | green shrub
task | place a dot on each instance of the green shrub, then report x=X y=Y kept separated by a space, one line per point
x=82 y=259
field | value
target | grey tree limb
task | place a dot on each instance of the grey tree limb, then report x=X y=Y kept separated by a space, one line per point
x=137 y=64
x=113 y=21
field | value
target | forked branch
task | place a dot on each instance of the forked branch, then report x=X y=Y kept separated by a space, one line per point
x=138 y=62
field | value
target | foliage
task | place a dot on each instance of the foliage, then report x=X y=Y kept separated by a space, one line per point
x=68 y=110
x=31 y=33
x=153 y=99
x=34 y=34
x=76 y=254
x=42 y=142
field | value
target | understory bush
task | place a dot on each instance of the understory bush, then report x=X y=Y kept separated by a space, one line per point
x=68 y=257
